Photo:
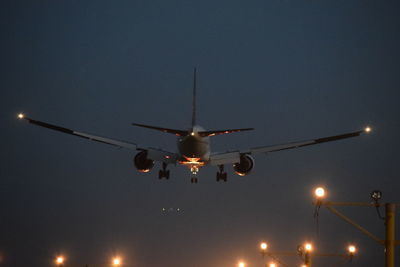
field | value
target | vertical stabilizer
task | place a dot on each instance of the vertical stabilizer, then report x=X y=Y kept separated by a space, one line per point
x=194 y=99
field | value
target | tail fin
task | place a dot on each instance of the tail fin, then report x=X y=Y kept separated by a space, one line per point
x=194 y=98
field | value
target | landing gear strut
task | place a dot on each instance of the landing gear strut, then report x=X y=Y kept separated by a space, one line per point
x=221 y=174
x=163 y=173
x=194 y=170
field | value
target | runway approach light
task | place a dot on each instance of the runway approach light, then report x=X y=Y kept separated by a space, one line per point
x=368 y=129
x=21 y=116
x=352 y=249
x=320 y=192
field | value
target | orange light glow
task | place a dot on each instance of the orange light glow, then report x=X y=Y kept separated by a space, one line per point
x=308 y=247
x=320 y=192
x=60 y=260
x=144 y=170
x=116 y=261
x=263 y=246
x=352 y=249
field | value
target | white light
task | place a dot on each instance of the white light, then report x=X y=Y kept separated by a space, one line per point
x=308 y=247
x=319 y=192
x=21 y=115
x=116 y=261
x=263 y=246
x=60 y=260
x=352 y=249
x=367 y=129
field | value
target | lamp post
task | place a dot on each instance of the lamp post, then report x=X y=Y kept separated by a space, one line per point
x=305 y=250
x=389 y=242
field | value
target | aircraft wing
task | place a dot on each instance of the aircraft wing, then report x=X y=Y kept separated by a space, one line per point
x=234 y=156
x=155 y=153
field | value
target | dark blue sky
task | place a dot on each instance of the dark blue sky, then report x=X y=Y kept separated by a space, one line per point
x=292 y=69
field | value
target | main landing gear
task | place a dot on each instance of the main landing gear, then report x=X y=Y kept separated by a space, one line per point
x=221 y=174
x=163 y=173
x=194 y=180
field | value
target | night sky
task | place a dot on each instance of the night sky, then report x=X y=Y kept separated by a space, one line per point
x=292 y=69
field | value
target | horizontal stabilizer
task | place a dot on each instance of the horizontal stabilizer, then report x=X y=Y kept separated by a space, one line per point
x=165 y=130
x=218 y=132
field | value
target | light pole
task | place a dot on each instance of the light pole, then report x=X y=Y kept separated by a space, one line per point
x=305 y=250
x=389 y=242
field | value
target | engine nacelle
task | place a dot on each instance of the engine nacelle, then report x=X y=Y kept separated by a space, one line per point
x=142 y=162
x=245 y=165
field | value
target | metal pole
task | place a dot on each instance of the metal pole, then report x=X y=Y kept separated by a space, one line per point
x=307 y=259
x=390 y=234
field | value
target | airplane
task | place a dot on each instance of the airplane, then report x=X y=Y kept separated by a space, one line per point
x=193 y=147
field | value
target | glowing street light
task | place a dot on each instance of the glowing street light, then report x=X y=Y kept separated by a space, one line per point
x=308 y=247
x=60 y=260
x=241 y=264
x=319 y=192
x=116 y=262
x=263 y=248
x=352 y=249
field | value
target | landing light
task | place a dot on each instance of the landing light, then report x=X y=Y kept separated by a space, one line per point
x=368 y=129
x=21 y=115
x=192 y=133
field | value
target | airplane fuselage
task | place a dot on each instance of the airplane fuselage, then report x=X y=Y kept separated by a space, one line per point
x=194 y=149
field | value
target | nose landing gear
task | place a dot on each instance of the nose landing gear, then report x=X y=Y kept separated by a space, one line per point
x=221 y=174
x=194 y=170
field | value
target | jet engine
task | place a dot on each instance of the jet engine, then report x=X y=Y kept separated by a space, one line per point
x=244 y=166
x=142 y=162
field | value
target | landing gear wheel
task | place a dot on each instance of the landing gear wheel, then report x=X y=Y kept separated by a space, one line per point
x=163 y=173
x=221 y=174
x=193 y=180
